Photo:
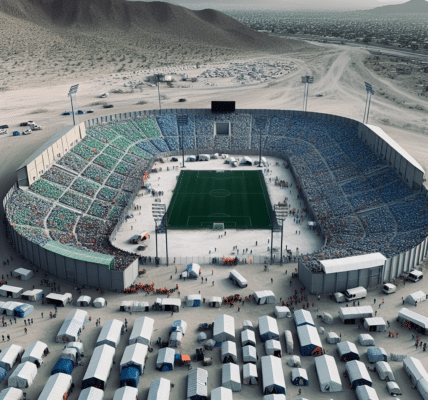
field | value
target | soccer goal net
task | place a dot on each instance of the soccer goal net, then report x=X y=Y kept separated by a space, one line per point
x=218 y=226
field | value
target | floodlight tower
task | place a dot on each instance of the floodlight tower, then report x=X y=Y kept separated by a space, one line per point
x=370 y=93
x=73 y=90
x=306 y=80
x=182 y=120
x=261 y=123
x=281 y=212
x=157 y=78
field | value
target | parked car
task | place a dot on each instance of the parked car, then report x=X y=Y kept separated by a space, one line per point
x=35 y=127
x=4 y=126
x=27 y=132
x=16 y=133
x=181 y=100
x=23 y=124
x=80 y=112
x=89 y=111
x=3 y=131
x=108 y=106
x=67 y=113
x=104 y=95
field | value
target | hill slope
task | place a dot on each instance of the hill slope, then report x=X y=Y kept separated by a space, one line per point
x=411 y=7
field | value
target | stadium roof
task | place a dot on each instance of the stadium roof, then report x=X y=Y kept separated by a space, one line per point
x=81 y=255
x=353 y=263
x=396 y=146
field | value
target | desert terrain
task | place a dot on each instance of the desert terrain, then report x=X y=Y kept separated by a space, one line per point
x=37 y=90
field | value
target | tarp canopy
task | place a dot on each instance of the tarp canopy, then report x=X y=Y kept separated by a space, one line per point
x=224 y=328
x=366 y=340
x=215 y=301
x=32 y=295
x=63 y=366
x=238 y=279
x=264 y=297
x=249 y=354
x=23 y=310
x=11 y=394
x=193 y=300
x=23 y=376
x=56 y=386
x=384 y=371
x=376 y=354
x=35 y=353
x=273 y=375
x=273 y=348
x=332 y=338
x=129 y=377
x=231 y=377
x=249 y=374
x=197 y=387
x=134 y=356
x=193 y=270
x=365 y=392
x=99 y=302
x=99 y=367
x=78 y=346
x=10 y=355
x=179 y=325
x=23 y=274
x=159 y=389
x=416 y=297
x=221 y=393
x=248 y=337
x=299 y=377
x=126 y=393
x=376 y=324
x=303 y=317
x=393 y=388
x=142 y=331
x=247 y=324
x=268 y=328
x=289 y=342
x=165 y=360
x=83 y=301
x=91 y=393
x=11 y=291
x=228 y=352
x=282 y=312
x=347 y=351
x=358 y=374
x=328 y=374
x=110 y=333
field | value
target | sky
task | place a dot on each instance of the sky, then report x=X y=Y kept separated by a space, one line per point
x=284 y=4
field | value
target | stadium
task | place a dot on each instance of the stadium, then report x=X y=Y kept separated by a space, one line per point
x=364 y=193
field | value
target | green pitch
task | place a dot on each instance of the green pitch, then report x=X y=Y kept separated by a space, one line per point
x=239 y=199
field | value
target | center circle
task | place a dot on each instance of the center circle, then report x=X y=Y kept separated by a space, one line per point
x=219 y=193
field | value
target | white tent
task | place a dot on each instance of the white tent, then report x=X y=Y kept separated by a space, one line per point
x=393 y=388
x=35 y=353
x=83 y=301
x=134 y=306
x=347 y=351
x=358 y=374
x=231 y=377
x=384 y=371
x=416 y=298
x=69 y=331
x=179 y=325
x=126 y=393
x=175 y=339
x=221 y=393
x=204 y=157
x=294 y=361
x=99 y=367
x=99 y=302
x=246 y=161
x=215 y=301
x=273 y=375
x=249 y=374
x=134 y=356
x=282 y=312
x=289 y=343
x=60 y=300
x=247 y=324
x=142 y=331
x=376 y=324
x=193 y=270
x=191 y=158
x=78 y=346
x=264 y=297
x=238 y=279
x=11 y=291
x=193 y=300
x=8 y=308
x=366 y=340
x=303 y=317
x=248 y=337
x=422 y=387
x=327 y=318
x=228 y=352
x=406 y=315
x=23 y=274
x=23 y=376
x=10 y=355
x=159 y=389
x=70 y=354
x=299 y=377
x=11 y=394
x=268 y=328
x=414 y=369
x=365 y=392
x=110 y=333
x=91 y=393
x=328 y=374
x=224 y=328
x=352 y=315
x=166 y=356
x=32 y=295
x=249 y=354
x=197 y=384
x=56 y=386
x=170 y=304
x=273 y=348
x=332 y=338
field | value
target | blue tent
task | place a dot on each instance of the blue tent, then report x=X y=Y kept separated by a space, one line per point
x=23 y=310
x=3 y=374
x=63 y=366
x=129 y=377
x=376 y=354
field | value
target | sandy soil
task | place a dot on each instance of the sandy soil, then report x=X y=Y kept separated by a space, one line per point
x=339 y=74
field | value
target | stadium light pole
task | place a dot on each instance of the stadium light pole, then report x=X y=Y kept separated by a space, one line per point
x=370 y=93
x=166 y=236
x=271 y=236
x=182 y=120
x=157 y=77
x=261 y=123
x=281 y=212
x=73 y=90
x=306 y=80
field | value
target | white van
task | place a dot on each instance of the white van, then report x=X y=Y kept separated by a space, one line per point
x=355 y=293
x=415 y=276
x=389 y=288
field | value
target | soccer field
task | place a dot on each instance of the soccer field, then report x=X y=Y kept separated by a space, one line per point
x=239 y=199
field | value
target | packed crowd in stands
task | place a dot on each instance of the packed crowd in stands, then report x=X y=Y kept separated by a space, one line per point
x=361 y=205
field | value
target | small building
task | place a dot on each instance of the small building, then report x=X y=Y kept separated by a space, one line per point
x=249 y=354
x=328 y=374
x=129 y=376
x=282 y=312
x=23 y=376
x=165 y=360
x=228 y=352
x=366 y=340
x=11 y=394
x=248 y=337
x=376 y=324
x=414 y=370
x=55 y=387
x=224 y=328
x=310 y=342
x=215 y=302
x=99 y=367
x=347 y=351
x=193 y=300
x=413 y=320
x=134 y=356
x=197 y=388
x=11 y=291
x=249 y=374
x=332 y=338
x=289 y=343
x=10 y=355
x=365 y=392
x=264 y=297
x=299 y=377
x=273 y=376
x=32 y=295
x=91 y=393
x=358 y=374
x=63 y=366
x=384 y=371
x=142 y=331
x=376 y=354
x=59 y=300
x=416 y=298
x=221 y=393
x=354 y=315
x=273 y=348
x=83 y=301
x=238 y=279
x=35 y=353
x=231 y=377
x=111 y=333
x=126 y=393
x=159 y=389
x=268 y=328
x=99 y=302
x=23 y=274
x=303 y=317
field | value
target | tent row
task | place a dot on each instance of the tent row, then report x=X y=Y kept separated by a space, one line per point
x=72 y=326
x=16 y=309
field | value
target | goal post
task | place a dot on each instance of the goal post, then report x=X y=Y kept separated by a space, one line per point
x=218 y=226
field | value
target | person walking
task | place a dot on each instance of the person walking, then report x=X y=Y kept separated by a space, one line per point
x=42 y=315
x=25 y=330
x=8 y=337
